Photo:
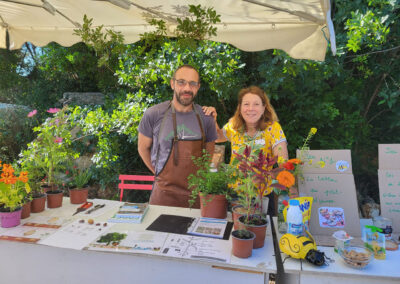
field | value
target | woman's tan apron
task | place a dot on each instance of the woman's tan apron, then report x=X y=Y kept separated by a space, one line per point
x=171 y=186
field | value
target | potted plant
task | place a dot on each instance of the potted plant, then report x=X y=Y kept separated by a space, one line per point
x=212 y=186
x=242 y=243
x=13 y=191
x=255 y=173
x=78 y=190
x=50 y=151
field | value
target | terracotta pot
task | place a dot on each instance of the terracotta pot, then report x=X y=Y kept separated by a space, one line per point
x=54 y=199
x=78 y=195
x=241 y=247
x=38 y=203
x=26 y=210
x=237 y=211
x=213 y=206
x=10 y=219
x=258 y=230
x=234 y=202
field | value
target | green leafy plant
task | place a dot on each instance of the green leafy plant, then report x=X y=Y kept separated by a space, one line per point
x=209 y=180
x=51 y=150
x=80 y=178
x=243 y=234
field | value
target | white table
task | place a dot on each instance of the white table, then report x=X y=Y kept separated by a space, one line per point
x=22 y=263
x=378 y=271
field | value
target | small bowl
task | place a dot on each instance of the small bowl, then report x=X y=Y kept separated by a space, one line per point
x=356 y=257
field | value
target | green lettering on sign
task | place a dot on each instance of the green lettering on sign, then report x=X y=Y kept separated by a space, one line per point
x=390 y=151
x=326 y=201
x=389 y=175
x=326 y=179
x=331 y=192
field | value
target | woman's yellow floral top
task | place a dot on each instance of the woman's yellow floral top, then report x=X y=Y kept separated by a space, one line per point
x=270 y=137
x=267 y=139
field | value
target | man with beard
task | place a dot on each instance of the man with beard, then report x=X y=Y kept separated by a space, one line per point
x=171 y=133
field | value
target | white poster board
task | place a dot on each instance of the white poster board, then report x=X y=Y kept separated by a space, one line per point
x=389 y=156
x=389 y=195
x=389 y=183
x=335 y=204
x=335 y=161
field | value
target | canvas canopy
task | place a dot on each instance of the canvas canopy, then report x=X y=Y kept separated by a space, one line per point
x=302 y=28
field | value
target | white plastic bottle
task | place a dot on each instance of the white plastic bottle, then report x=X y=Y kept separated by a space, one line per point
x=294 y=218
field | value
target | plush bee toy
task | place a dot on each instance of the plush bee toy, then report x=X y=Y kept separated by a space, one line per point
x=302 y=247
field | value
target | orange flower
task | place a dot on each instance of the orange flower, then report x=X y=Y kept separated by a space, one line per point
x=286 y=178
x=23 y=177
x=7 y=168
x=295 y=161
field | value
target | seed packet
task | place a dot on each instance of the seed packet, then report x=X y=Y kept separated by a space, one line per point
x=374 y=240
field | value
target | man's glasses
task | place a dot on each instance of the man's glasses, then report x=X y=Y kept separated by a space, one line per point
x=182 y=83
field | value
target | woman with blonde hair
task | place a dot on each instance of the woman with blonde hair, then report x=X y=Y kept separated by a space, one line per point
x=254 y=122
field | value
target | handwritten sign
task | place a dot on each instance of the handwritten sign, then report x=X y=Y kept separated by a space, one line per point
x=389 y=194
x=326 y=161
x=389 y=156
x=332 y=191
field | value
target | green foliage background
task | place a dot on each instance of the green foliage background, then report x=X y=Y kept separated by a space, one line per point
x=352 y=98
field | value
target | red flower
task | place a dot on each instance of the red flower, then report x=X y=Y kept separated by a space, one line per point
x=289 y=166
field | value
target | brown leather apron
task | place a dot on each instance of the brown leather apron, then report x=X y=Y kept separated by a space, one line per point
x=170 y=187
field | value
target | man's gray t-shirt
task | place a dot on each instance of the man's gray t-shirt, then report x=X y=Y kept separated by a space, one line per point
x=187 y=127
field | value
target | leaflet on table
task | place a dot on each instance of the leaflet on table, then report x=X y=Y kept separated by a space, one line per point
x=77 y=235
x=34 y=229
x=130 y=213
x=165 y=244
x=208 y=227
x=130 y=241
x=192 y=247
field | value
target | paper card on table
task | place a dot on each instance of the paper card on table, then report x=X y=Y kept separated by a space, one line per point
x=53 y=222
x=208 y=227
x=389 y=195
x=76 y=235
x=197 y=248
x=130 y=242
x=389 y=156
x=334 y=161
x=332 y=191
x=331 y=217
x=27 y=234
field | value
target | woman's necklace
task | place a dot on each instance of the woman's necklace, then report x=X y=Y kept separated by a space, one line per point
x=254 y=136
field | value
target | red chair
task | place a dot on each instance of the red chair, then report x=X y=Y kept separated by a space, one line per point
x=139 y=186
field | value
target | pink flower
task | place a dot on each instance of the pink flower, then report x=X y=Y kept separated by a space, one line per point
x=58 y=140
x=32 y=113
x=53 y=110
